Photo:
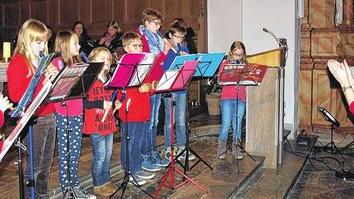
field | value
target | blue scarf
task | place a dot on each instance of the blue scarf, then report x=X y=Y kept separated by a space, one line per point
x=155 y=41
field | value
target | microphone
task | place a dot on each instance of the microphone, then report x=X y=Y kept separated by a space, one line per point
x=273 y=35
x=165 y=40
x=127 y=106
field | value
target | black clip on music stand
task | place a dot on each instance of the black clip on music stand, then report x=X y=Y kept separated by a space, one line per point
x=176 y=80
x=242 y=75
x=331 y=146
x=130 y=72
x=74 y=83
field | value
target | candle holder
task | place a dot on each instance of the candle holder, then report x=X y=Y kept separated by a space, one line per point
x=6 y=51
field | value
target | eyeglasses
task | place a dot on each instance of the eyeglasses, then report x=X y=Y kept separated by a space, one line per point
x=136 y=46
x=178 y=37
x=156 y=22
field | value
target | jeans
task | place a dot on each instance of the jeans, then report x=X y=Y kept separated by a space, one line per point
x=69 y=126
x=180 y=99
x=149 y=139
x=43 y=139
x=135 y=138
x=232 y=110
x=102 y=146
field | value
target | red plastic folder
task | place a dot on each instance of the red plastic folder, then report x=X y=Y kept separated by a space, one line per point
x=242 y=74
x=175 y=80
x=131 y=70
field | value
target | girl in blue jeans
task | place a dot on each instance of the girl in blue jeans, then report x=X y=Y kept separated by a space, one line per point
x=233 y=104
x=100 y=128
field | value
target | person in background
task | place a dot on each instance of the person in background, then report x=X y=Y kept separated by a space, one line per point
x=153 y=43
x=112 y=38
x=31 y=43
x=101 y=132
x=84 y=39
x=233 y=104
x=343 y=75
x=69 y=118
x=176 y=33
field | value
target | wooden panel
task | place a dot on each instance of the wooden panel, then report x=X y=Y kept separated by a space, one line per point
x=11 y=14
x=68 y=13
x=38 y=10
x=324 y=43
x=262 y=119
x=322 y=13
x=270 y=58
x=305 y=97
x=133 y=10
x=85 y=11
x=97 y=7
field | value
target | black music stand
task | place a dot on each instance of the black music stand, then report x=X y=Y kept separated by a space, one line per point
x=130 y=72
x=176 y=80
x=242 y=75
x=331 y=146
x=74 y=83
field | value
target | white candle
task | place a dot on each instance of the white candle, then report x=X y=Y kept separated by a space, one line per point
x=6 y=50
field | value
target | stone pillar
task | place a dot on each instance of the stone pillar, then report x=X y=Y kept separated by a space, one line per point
x=348 y=12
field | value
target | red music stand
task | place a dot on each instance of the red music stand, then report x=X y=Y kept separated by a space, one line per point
x=175 y=80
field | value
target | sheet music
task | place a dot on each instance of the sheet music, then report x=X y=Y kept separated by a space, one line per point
x=142 y=70
x=242 y=74
x=67 y=81
x=168 y=78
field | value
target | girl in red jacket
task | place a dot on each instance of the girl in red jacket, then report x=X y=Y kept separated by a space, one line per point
x=31 y=42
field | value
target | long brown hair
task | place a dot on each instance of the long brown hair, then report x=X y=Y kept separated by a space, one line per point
x=234 y=46
x=62 y=47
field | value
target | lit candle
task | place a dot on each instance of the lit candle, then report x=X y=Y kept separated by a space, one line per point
x=6 y=50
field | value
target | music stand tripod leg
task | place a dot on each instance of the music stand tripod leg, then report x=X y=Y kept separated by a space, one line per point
x=127 y=171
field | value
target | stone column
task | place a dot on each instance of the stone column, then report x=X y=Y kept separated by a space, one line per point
x=348 y=12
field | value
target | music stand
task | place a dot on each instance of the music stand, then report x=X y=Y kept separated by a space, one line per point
x=175 y=80
x=130 y=72
x=26 y=112
x=207 y=66
x=331 y=146
x=74 y=83
x=242 y=75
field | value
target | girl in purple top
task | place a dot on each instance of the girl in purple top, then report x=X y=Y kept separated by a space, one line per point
x=233 y=104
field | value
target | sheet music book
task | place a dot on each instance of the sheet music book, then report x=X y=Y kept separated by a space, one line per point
x=75 y=81
x=208 y=63
x=131 y=70
x=242 y=74
x=175 y=80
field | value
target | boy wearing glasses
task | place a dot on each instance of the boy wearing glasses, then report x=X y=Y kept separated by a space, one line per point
x=176 y=34
x=153 y=43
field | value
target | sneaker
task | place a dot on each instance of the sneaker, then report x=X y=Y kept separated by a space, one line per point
x=102 y=191
x=138 y=180
x=79 y=193
x=149 y=165
x=110 y=187
x=158 y=161
x=144 y=175
x=191 y=156
x=168 y=153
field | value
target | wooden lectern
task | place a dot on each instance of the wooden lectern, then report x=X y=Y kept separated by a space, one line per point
x=265 y=109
